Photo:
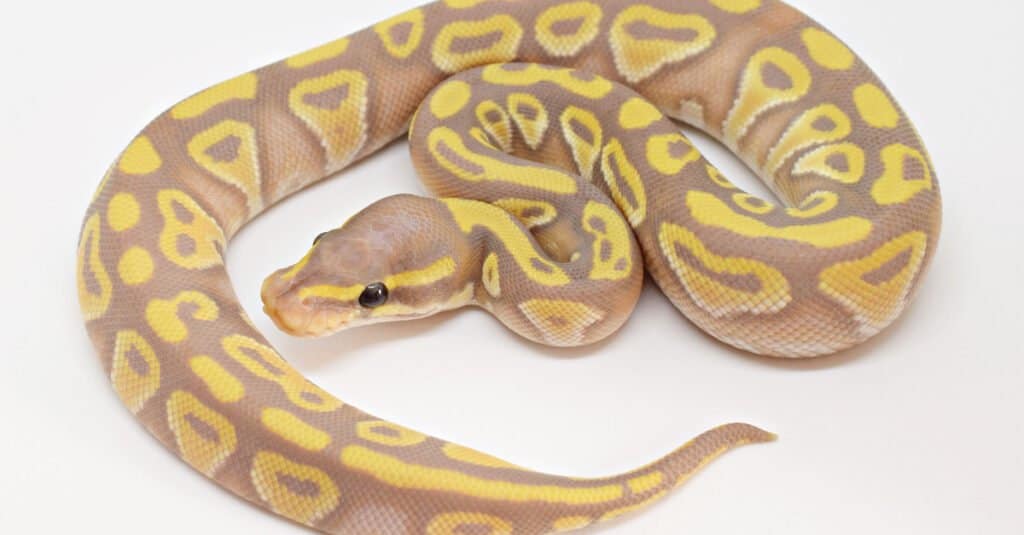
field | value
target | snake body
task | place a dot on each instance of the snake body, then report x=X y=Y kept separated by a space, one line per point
x=541 y=126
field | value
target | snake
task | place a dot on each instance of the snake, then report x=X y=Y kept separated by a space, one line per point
x=548 y=132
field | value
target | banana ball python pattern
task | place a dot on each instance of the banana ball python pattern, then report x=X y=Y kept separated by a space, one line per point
x=521 y=109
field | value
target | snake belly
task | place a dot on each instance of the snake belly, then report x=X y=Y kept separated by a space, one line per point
x=833 y=267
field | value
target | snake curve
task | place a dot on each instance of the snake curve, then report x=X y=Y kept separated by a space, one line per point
x=503 y=85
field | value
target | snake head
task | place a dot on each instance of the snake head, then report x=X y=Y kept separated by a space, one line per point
x=399 y=259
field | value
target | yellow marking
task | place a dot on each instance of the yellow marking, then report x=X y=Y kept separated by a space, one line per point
x=90 y=266
x=202 y=232
x=263 y=362
x=451 y=152
x=584 y=151
x=471 y=214
x=611 y=515
x=450 y=99
x=292 y=429
x=876 y=303
x=737 y=6
x=875 y=107
x=638 y=58
x=895 y=186
x=135 y=370
x=594 y=88
x=463 y=454
x=533 y=128
x=638 y=113
x=702 y=281
x=758 y=96
x=491 y=276
x=567 y=45
x=622 y=177
x=496 y=121
x=820 y=161
x=661 y=158
x=297 y=491
x=439 y=270
x=611 y=236
x=822 y=124
x=140 y=158
x=561 y=323
x=297 y=268
x=458 y=523
x=457 y=300
x=205 y=438
x=333 y=106
x=240 y=88
x=413 y=19
x=826 y=50
x=571 y=523
x=711 y=211
x=401 y=474
x=532 y=214
x=123 y=212
x=647 y=483
x=816 y=204
x=505 y=48
x=239 y=166
x=389 y=434
x=319 y=54
x=481 y=136
x=222 y=384
x=135 y=266
x=162 y=315
x=716 y=176
x=753 y=203
x=463 y=4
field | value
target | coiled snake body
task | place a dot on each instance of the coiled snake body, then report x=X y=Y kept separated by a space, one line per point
x=559 y=186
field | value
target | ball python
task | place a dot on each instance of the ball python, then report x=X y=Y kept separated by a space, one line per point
x=544 y=129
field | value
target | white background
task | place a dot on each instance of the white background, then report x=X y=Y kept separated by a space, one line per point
x=920 y=431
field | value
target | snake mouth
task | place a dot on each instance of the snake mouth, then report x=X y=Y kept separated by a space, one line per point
x=296 y=317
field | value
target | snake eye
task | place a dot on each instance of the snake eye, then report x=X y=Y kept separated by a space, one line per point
x=374 y=295
x=319 y=237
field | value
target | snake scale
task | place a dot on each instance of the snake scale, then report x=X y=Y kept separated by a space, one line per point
x=540 y=126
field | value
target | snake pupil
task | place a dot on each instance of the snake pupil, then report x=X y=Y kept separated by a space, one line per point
x=374 y=295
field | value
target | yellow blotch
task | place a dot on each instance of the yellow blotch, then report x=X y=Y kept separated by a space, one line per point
x=613 y=242
x=222 y=384
x=895 y=186
x=140 y=158
x=457 y=523
x=531 y=213
x=463 y=454
x=265 y=363
x=530 y=116
x=647 y=483
x=135 y=370
x=241 y=88
x=450 y=99
x=504 y=48
x=333 y=106
x=496 y=121
x=491 y=276
x=561 y=45
x=398 y=473
x=875 y=288
x=703 y=280
x=205 y=438
x=816 y=204
x=463 y=4
x=826 y=50
x=471 y=214
x=123 y=212
x=238 y=162
x=662 y=158
x=593 y=88
x=638 y=113
x=585 y=145
x=571 y=523
x=482 y=137
x=402 y=50
x=713 y=212
x=875 y=107
x=737 y=6
x=319 y=54
x=291 y=428
x=850 y=159
x=716 y=176
x=624 y=182
x=561 y=323
x=450 y=151
x=95 y=288
x=135 y=267
x=757 y=96
x=297 y=491
x=162 y=315
x=822 y=124
x=639 y=58
x=389 y=434
x=204 y=235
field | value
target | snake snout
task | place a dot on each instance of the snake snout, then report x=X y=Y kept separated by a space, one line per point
x=293 y=315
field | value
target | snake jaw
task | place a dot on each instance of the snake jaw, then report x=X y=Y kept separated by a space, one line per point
x=295 y=315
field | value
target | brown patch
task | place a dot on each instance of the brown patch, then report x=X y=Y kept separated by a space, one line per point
x=540 y=266
x=311 y=397
x=581 y=131
x=203 y=429
x=531 y=212
x=839 y=162
x=454 y=157
x=890 y=269
x=679 y=149
x=606 y=251
x=330 y=99
x=641 y=30
x=621 y=265
x=824 y=124
x=466 y=45
x=775 y=78
x=913 y=169
x=528 y=112
x=299 y=487
x=387 y=432
x=567 y=27
x=744 y=283
x=494 y=116
x=136 y=362
x=185 y=245
x=182 y=214
x=598 y=225
x=400 y=33
x=225 y=150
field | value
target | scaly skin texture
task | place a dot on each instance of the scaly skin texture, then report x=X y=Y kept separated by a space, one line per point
x=546 y=248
